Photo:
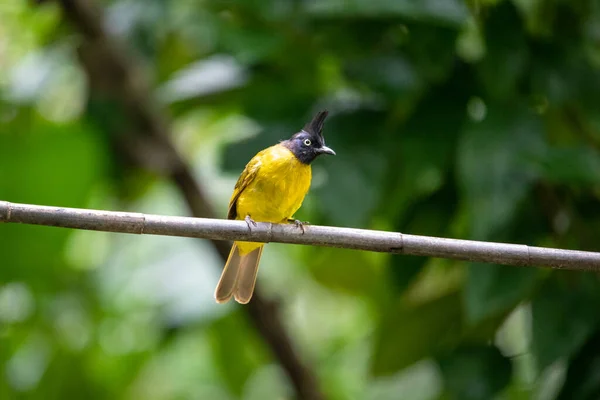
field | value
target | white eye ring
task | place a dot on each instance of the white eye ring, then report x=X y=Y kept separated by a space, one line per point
x=307 y=142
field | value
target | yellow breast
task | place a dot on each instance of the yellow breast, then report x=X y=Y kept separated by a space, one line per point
x=279 y=188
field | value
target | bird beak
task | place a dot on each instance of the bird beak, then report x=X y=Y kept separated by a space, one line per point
x=326 y=150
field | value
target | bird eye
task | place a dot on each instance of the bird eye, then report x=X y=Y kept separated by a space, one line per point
x=307 y=142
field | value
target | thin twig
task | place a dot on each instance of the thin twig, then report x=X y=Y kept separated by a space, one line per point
x=358 y=239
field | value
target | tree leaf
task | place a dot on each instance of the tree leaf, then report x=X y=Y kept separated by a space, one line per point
x=493 y=289
x=409 y=333
x=448 y=12
x=349 y=271
x=564 y=316
x=354 y=176
x=430 y=217
x=582 y=380
x=412 y=176
x=391 y=74
x=237 y=351
x=43 y=164
x=571 y=165
x=432 y=52
x=506 y=56
x=496 y=171
x=495 y=168
x=475 y=373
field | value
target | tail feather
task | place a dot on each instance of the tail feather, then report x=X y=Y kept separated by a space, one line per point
x=247 y=276
x=239 y=276
x=229 y=276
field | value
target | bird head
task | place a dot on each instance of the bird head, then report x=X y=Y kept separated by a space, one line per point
x=309 y=143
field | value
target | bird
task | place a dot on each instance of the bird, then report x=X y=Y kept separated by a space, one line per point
x=271 y=188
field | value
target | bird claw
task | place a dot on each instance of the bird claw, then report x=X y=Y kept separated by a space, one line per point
x=299 y=224
x=250 y=222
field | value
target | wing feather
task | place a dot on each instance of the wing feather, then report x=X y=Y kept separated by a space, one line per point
x=246 y=177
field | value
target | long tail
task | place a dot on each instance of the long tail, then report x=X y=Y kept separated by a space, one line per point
x=239 y=276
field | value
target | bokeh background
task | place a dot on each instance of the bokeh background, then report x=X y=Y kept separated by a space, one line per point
x=466 y=119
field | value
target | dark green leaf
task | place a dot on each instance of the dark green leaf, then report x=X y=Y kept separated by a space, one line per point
x=450 y=12
x=475 y=373
x=345 y=270
x=493 y=289
x=355 y=177
x=409 y=333
x=564 y=315
x=430 y=217
x=392 y=75
x=571 y=165
x=43 y=164
x=236 y=350
x=504 y=63
x=583 y=381
x=421 y=157
x=355 y=174
x=432 y=52
x=495 y=168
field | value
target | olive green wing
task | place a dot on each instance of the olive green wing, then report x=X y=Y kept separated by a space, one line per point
x=248 y=175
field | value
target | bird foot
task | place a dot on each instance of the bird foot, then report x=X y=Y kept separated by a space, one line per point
x=250 y=222
x=299 y=224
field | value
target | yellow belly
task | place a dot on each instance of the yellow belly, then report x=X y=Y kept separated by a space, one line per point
x=277 y=191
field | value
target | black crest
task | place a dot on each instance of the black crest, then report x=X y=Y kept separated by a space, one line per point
x=315 y=127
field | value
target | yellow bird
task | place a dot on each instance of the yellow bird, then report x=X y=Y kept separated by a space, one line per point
x=270 y=189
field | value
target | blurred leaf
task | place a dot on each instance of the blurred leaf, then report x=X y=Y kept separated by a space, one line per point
x=449 y=12
x=571 y=165
x=172 y=53
x=282 y=98
x=475 y=373
x=493 y=289
x=583 y=381
x=564 y=315
x=421 y=157
x=403 y=270
x=251 y=44
x=274 y=128
x=506 y=55
x=558 y=73
x=352 y=272
x=355 y=177
x=430 y=217
x=432 y=51
x=48 y=165
x=237 y=350
x=355 y=174
x=495 y=169
x=207 y=77
x=409 y=333
x=391 y=75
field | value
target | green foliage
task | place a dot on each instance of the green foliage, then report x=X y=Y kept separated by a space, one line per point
x=495 y=171
x=493 y=289
x=560 y=325
x=236 y=359
x=581 y=381
x=473 y=119
x=475 y=373
x=408 y=334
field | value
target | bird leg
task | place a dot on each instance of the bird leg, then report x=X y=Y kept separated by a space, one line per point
x=298 y=223
x=250 y=222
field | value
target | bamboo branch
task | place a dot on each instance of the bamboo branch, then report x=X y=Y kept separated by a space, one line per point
x=358 y=239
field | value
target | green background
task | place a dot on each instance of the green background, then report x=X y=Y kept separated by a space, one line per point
x=474 y=119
